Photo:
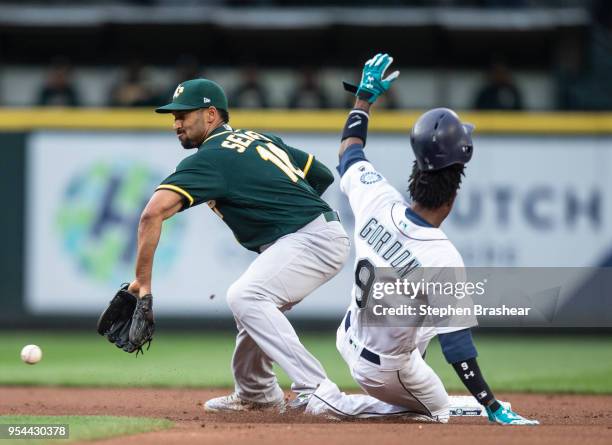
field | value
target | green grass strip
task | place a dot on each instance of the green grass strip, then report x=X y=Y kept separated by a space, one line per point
x=550 y=364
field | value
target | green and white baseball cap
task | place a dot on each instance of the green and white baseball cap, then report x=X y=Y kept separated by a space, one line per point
x=194 y=94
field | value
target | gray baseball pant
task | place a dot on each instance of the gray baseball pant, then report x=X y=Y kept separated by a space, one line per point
x=410 y=388
x=288 y=270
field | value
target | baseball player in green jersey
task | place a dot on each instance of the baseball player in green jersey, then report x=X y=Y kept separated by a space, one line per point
x=268 y=193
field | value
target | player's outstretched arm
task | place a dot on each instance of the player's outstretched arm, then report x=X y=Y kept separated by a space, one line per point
x=162 y=205
x=373 y=84
x=364 y=194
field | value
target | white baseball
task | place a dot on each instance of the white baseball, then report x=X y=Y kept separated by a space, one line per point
x=31 y=354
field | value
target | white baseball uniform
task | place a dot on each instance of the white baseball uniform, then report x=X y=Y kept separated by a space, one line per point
x=387 y=361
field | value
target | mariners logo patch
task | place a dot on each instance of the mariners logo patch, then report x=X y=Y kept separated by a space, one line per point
x=370 y=177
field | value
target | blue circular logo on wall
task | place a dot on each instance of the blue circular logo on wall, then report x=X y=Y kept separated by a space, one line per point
x=98 y=220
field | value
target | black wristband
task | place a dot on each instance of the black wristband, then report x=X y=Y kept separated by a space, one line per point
x=471 y=376
x=356 y=125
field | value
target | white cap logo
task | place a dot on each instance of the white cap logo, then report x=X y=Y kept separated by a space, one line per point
x=206 y=100
x=178 y=91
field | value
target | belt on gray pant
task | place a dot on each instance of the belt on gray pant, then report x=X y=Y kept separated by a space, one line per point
x=330 y=216
x=370 y=356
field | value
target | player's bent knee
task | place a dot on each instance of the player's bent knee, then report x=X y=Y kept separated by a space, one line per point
x=236 y=297
x=241 y=296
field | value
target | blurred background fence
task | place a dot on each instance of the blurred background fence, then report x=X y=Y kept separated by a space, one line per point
x=485 y=54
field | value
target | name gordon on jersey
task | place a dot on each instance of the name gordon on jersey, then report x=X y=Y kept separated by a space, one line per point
x=386 y=246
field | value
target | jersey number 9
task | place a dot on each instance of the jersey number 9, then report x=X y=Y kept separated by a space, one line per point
x=364 y=278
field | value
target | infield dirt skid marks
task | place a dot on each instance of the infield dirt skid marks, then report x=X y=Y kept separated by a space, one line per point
x=565 y=419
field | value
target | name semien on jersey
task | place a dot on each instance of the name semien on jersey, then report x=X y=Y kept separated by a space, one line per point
x=385 y=244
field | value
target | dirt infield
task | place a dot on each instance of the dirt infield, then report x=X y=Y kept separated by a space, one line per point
x=565 y=419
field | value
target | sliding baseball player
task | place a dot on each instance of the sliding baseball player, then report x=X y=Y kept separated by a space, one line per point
x=387 y=362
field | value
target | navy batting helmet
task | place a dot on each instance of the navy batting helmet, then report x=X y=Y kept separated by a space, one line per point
x=440 y=139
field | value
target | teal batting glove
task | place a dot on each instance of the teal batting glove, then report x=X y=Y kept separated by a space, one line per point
x=373 y=81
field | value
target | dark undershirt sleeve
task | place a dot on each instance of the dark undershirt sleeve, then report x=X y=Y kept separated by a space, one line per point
x=351 y=155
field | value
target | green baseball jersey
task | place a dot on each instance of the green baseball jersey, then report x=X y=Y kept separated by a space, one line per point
x=262 y=188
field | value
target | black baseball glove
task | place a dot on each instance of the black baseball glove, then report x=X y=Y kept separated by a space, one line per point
x=128 y=321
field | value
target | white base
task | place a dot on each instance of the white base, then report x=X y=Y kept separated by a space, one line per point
x=468 y=406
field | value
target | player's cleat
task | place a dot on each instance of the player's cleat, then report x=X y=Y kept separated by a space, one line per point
x=300 y=402
x=504 y=416
x=233 y=403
